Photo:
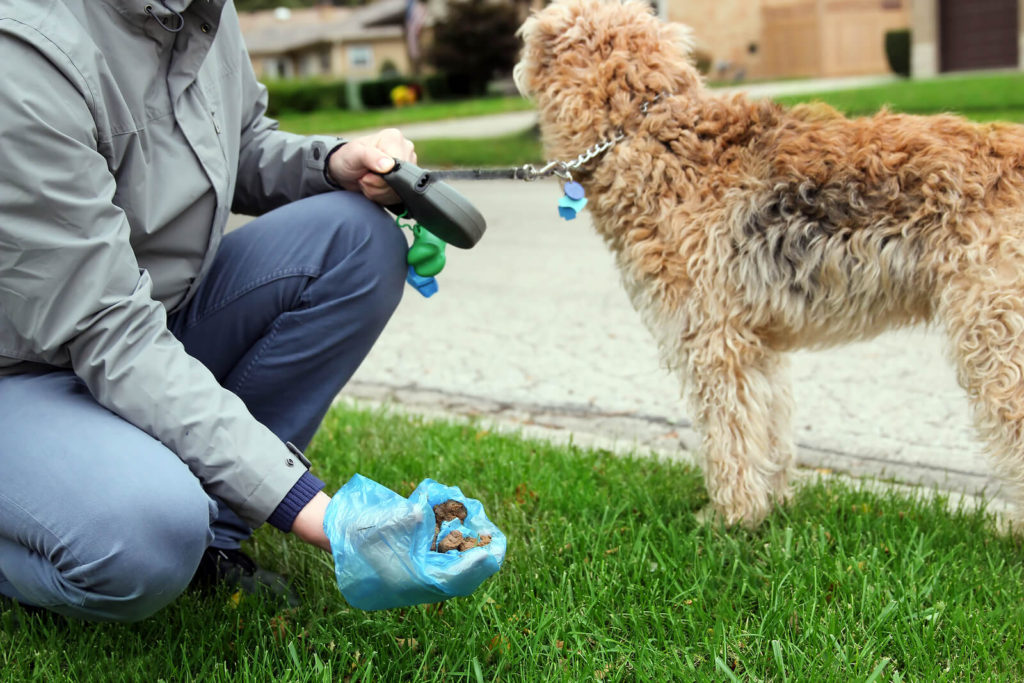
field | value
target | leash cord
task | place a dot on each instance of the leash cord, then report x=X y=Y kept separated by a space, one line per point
x=528 y=172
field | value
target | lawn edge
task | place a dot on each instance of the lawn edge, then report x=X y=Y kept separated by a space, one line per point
x=575 y=427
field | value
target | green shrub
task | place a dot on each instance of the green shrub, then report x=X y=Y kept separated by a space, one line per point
x=897 y=50
x=305 y=96
x=377 y=93
x=450 y=86
x=436 y=87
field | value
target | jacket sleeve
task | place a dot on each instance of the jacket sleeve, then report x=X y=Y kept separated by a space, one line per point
x=70 y=287
x=275 y=167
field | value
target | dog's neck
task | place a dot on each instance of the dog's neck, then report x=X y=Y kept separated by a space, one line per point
x=579 y=161
x=578 y=148
x=576 y=114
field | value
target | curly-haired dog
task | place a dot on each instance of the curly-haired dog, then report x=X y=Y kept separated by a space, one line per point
x=743 y=230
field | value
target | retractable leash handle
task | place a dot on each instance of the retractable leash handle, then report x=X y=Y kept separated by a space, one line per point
x=435 y=205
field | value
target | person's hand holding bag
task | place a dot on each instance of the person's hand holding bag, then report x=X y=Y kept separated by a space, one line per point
x=381 y=543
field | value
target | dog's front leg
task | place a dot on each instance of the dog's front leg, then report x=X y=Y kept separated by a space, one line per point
x=738 y=391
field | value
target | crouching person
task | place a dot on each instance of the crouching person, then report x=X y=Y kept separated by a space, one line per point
x=158 y=378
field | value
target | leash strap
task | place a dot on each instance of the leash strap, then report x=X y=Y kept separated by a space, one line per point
x=518 y=173
x=525 y=172
x=562 y=169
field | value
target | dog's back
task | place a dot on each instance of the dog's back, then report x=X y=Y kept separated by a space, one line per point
x=854 y=225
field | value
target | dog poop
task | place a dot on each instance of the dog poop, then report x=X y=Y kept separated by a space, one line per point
x=456 y=541
x=449 y=510
x=446 y=512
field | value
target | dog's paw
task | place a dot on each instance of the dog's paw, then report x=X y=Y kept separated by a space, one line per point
x=708 y=515
x=783 y=495
x=711 y=515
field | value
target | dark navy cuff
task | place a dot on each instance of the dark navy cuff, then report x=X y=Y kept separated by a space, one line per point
x=327 y=161
x=284 y=514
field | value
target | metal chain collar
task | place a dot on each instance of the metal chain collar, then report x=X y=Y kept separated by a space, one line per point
x=563 y=169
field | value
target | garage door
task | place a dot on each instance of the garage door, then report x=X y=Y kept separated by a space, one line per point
x=977 y=34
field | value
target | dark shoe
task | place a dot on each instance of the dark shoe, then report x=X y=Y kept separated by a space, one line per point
x=235 y=570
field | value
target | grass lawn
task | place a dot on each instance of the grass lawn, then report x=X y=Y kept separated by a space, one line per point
x=608 y=577
x=505 y=151
x=509 y=150
x=984 y=97
x=332 y=121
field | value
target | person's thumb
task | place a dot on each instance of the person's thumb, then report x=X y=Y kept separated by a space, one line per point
x=381 y=163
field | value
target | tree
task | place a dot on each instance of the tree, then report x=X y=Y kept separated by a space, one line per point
x=476 y=41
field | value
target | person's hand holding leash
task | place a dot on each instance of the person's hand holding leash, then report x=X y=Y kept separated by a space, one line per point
x=355 y=166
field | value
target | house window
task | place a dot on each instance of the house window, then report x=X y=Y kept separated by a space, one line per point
x=275 y=68
x=892 y=4
x=325 y=60
x=310 y=65
x=360 y=57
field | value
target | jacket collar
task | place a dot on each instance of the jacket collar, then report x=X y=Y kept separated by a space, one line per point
x=150 y=17
x=137 y=8
x=141 y=12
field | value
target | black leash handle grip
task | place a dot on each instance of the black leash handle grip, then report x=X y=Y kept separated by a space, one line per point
x=435 y=205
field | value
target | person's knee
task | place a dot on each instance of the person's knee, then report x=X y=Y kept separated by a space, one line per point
x=370 y=253
x=154 y=544
x=385 y=268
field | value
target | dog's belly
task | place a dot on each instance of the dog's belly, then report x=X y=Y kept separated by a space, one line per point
x=807 y=287
x=784 y=307
x=788 y=316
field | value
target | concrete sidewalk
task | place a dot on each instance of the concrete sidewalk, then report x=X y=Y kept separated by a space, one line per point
x=532 y=330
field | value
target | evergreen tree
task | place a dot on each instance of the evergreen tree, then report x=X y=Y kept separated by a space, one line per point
x=476 y=41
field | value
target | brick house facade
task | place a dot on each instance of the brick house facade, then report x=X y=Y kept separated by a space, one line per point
x=762 y=39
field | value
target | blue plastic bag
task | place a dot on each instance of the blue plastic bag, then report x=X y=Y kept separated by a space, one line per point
x=381 y=545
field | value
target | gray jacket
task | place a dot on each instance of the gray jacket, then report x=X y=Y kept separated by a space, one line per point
x=123 y=148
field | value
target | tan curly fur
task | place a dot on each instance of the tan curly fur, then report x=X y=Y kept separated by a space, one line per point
x=743 y=230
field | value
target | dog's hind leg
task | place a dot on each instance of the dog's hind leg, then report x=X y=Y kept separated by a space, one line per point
x=983 y=312
x=738 y=395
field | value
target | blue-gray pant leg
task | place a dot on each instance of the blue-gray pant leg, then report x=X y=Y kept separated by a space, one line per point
x=98 y=520
x=291 y=307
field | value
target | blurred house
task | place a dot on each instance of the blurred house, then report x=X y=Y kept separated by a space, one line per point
x=344 y=42
x=743 y=39
x=327 y=41
x=736 y=39
x=955 y=35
